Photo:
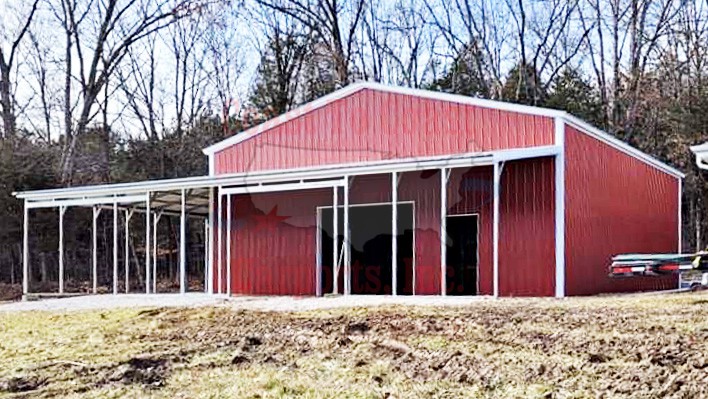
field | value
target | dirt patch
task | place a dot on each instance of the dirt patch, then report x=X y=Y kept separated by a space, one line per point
x=22 y=384
x=145 y=371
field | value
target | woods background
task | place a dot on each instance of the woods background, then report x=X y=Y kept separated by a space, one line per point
x=104 y=91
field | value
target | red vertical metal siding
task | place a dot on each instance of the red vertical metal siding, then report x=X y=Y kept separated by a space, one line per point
x=371 y=125
x=472 y=191
x=614 y=204
x=273 y=242
x=527 y=228
x=274 y=235
x=423 y=188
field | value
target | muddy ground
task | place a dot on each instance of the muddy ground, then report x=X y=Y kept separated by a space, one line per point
x=624 y=347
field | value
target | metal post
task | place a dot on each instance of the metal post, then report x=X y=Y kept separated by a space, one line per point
x=155 y=222
x=335 y=241
x=94 y=274
x=183 y=244
x=147 y=243
x=318 y=256
x=25 y=252
x=128 y=215
x=394 y=233
x=206 y=255
x=212 y=232
x=443 y=231
x=220 y=227
x=347 y=243
x=62 y=209
x=228 y=244
x=495 y=228
x=115 y=248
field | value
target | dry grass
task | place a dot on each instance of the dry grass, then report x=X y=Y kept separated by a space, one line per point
x=641 y=346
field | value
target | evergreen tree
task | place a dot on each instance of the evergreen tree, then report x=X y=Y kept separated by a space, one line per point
x=465 y=75
x=523 y=85
x=572 y=93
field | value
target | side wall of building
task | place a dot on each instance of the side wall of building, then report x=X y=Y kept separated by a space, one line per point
x=614 y=203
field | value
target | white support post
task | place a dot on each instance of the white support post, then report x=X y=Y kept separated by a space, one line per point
x=183 y=244
x=25 y=252
x=128 y=215
x=680 y=216
x=115 y=248
x=335 y=241
x=62 y=209
x=220 y=244
x=155 y=223
x=206 y=255
x=394 y=233
x=94 y=269
x=443 y=231
x=147 y=243
x=228 y=244
x=495 y=228
x=347 y=241
x=560 y=209
x=212 y=236
x=318 y=257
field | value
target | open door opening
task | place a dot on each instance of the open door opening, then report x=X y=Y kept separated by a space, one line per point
x=462 y=272
x=371 y=249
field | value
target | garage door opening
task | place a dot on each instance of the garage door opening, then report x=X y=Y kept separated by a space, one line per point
x=370 y=226
x=462 y=273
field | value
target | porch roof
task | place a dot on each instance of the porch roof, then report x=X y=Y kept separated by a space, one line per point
x=166 y=193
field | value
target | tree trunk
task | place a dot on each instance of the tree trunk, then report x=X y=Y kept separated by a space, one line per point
x=8 y=117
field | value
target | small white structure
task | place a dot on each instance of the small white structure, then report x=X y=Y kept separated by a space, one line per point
x=701 y=152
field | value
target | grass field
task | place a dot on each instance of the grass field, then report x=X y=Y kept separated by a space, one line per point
x=638 y=346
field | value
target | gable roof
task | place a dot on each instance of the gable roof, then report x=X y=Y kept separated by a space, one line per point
x=453 y=98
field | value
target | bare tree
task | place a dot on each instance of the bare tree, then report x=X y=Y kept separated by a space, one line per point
x=9 y=47
x=334 y=23
x=400 y=44
x=98 y=35
x=283 y=43
x=224 y=66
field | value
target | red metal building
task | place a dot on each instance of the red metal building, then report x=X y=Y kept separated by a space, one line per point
x=490 y=198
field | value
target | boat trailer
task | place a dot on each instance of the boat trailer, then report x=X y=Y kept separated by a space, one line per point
x=692 y=268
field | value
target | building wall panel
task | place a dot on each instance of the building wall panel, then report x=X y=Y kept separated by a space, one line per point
x=372 y=125
x=614 y=204
x=527 y=228
x=471 y=191
x=273 y=243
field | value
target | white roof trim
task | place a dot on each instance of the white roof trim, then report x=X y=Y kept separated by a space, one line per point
x=454 y=98
x=700 y=149
x=607 y=138
x=356 y=87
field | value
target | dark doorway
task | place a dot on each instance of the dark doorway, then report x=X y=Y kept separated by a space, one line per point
x=371 y=249
x=462 y=255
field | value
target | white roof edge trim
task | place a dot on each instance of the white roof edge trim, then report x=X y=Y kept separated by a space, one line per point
x=356 y=87
x=616 y=143
x=470 y=159
x=699 y=149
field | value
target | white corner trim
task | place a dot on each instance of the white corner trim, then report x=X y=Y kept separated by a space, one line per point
x=616 y=143
x=560 y=208
x=680 y=216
